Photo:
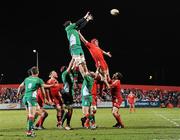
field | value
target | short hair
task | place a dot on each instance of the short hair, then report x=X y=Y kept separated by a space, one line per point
x=93 y=40
x=34 y=70
x=119 y=75
x=66 y=23
x=51 y=73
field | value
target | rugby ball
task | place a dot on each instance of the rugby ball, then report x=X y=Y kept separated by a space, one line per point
x=114 y=12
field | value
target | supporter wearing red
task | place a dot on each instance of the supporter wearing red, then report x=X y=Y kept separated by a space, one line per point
x=117 y=99
x=131 y=98
x=55 y=95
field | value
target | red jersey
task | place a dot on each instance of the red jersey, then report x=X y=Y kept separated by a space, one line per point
x=116 y=89
x=116 y=93
x=97 y=55
x=94 y=93
x=94 y=88
x=131 y=98
x=55 y=89
x=40 y=98
x=54 y=92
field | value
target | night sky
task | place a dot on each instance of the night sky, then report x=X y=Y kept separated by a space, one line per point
x=143 y=39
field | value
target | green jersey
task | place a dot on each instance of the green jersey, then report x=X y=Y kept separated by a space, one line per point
x=87 y=85
x=31 y=86
x=74 y=39
x=67 y=80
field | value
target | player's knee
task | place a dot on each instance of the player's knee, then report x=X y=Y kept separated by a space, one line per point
x=94 y=111
x=58 y=107
x=87 y=115
x=115 y=113
x=45 y=114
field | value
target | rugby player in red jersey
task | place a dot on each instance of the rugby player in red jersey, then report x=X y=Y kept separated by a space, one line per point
x=56 y=96
x=98 y=56
x=117 y=99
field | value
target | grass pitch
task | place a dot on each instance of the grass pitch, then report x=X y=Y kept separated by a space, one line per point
x=144 y=124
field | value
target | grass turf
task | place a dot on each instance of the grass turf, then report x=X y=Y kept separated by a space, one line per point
x=144 y=124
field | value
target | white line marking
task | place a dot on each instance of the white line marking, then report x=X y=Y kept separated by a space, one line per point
x=176 y=119
x=171 y=121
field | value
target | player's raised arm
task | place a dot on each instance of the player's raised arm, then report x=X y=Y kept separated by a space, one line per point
x=82 y=38
x=83 y=21
x=70 y=65
x=107 y=53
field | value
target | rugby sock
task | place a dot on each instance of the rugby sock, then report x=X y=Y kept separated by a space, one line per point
x=59 y=116
x=94 y=112
x=91 y=118
x=130 y=110
x=64 y=117
x=118 y=119
x=30 y=122
x=43 y=117
x=36 y=116
x=69 y=116
x=87 y=121
x=39 y=122
x=83 y=120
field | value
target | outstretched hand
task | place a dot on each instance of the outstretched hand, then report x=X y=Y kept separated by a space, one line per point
x=87 y=14
x=109 y=54
x=90 y=17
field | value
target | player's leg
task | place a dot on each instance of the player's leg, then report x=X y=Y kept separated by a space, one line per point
x=86 y=113
x=130 y=107
x=59 y=115
x=24 y=101
x=116 y=115
x=81 y=63
x=83 y=68
x=93 y=112
x=104 y=78
x=133 y=106
x=57 y=100
x=69 y=116
x=32 y=105
x=108 y=75
x=83 y=119
x=43 y=115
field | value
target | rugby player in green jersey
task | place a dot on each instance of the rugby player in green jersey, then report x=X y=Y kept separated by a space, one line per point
x=75 y=47
x=67 y=93
x=86 y=92
x=31 y=85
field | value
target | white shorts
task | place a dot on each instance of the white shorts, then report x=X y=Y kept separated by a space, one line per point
x=78 y=59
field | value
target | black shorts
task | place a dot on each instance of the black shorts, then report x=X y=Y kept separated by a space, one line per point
x=67 y=98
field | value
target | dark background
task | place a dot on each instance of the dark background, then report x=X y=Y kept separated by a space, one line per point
x=143 y=39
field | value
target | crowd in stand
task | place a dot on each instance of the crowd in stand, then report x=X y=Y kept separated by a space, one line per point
x=8 y=95
x=165 y=97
